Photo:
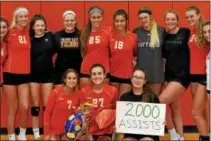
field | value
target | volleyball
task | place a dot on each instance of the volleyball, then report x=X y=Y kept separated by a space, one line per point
x=73 y=125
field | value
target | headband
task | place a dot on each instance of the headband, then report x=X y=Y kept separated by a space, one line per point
x=20 y=10
x=95 y=10
x=144 y=11
x=68 y=12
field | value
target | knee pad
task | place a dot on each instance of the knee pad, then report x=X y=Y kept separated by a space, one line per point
x=35 y=111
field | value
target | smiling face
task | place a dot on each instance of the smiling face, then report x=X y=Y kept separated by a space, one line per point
x=22 y=19
x=206 y=32
x=71 y=80
x=192 y=17
x=39 y=27
x=145 y=20
x=171 y=21
x=69 y=22
x=120 y=23
x=138 y=79
x=4 y=29
x=97 y=75
x=96 y=20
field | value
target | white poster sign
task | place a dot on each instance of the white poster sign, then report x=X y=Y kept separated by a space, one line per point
x=140 y=118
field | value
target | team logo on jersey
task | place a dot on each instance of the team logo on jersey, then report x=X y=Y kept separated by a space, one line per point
x=69 y=42
x=46 y=39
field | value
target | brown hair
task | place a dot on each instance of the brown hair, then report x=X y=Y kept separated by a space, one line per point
x=2 y=19
x=65 y=76
x=148 y=95
x=86 y=32
x=200 y=38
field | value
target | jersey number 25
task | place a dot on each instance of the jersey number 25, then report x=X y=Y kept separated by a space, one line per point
x=94 y=39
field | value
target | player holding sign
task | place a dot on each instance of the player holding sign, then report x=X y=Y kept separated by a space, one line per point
x=140 y=93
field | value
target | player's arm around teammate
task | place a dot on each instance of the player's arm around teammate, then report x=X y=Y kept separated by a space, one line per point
x=16 y=72
x=198 y=53
x=176 y=71
x=63 y=101
x=94 y=45
x=123 y=44
x=42 y=69
x=4 y=30
x=69 y=46
x=149 y=51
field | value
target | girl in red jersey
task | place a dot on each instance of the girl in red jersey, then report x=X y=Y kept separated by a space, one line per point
x=123 y=44
x=43 y=47
x=62 y=102
x=4 y=25
x=206 y=33
x=101 y=96
x=16 y=72
x=176 y=72
x=198 y=53
x=95 y=44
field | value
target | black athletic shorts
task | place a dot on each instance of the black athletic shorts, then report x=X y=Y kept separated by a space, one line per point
x=198 y=78
x=15 y=79
x=41 y=77
x=119 y=80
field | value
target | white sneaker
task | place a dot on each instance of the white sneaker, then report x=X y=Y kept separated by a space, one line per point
x=22 y=137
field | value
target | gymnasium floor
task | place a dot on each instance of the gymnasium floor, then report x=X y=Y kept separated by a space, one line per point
x=188 y=136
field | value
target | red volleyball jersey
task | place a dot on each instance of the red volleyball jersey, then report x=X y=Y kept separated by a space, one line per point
x=59 y=107
x=97 y=50
x=106 y=99
x=197 y=55
x=3 y=57
x=18 y=61
x=122 y=52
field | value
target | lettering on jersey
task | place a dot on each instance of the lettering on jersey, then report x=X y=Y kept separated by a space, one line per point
x=174 y=42
x=193 y=38
x=94 y=39
x=69 y=42
x=119 y=45
x=22 y=39
x=145 y=44
x=97 y=102
x=69 y=103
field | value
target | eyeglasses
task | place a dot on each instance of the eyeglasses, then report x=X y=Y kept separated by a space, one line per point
x=138 y=77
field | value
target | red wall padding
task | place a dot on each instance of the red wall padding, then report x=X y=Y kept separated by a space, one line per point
x=53 y=12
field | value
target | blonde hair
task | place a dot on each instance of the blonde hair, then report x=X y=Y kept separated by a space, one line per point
x=154 y=38
x=14 y=21
x=200 y=38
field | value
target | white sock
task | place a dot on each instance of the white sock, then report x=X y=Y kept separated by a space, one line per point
x=36 y=132
x=182 y=138
x=11 y=137
x=22 y=134
x=173 y=134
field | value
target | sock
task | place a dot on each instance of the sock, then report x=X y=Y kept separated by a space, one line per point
x=181 y=138
x=173 y=134
x=36 y=132
x=22 y=131
x=11 y=137
x=22 y=134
